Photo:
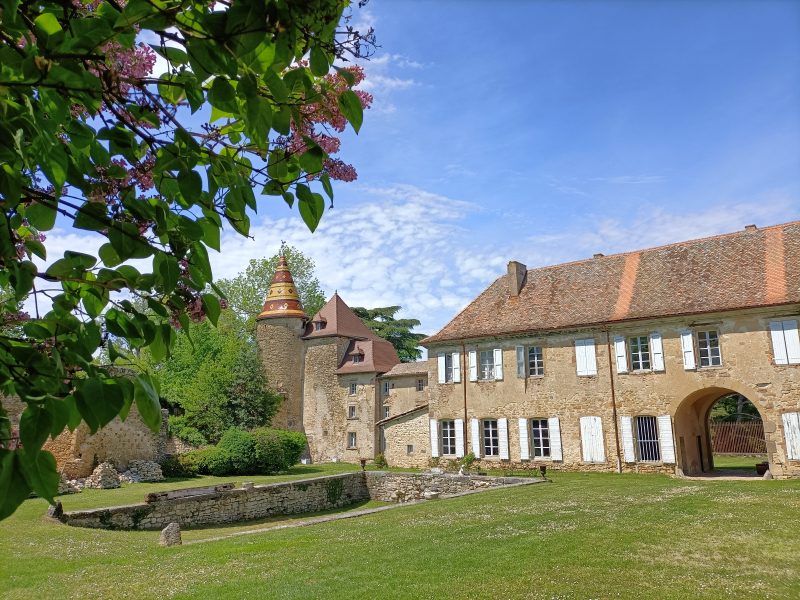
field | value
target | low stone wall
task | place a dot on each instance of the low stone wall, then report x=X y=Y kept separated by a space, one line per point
x=210 y=506
x=213 y=505
x=404 y=487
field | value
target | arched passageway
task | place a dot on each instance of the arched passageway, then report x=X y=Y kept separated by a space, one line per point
x=693 y=431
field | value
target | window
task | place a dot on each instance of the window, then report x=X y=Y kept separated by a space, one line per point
x=385 y=412
x=357 y=358
x=385 y=388
x=585 y=359
x=352 y=389
x=420 y=385
x=351 y=439
x=448 y=368
x=486 y=365
x=785 y=342
x=535 y=361
x=351 y=411
x=540 y=438
x=491 y=439
x=640 y=353
x=708 y=347
x=410 y=449
x=317 y=325
x=647 y=439
x=448 y=437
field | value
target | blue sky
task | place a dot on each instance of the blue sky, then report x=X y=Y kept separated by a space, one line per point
x=545 y=132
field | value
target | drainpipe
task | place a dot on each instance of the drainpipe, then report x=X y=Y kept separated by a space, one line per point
x=613 y=402
x=464 y=375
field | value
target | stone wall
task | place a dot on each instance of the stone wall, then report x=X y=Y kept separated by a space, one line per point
x=686 y=395
x=281 y=352
x=78 y=452
x=408 y=442
x=215 y=506
x=327 y=400
x=403 y=394
x=222 y=504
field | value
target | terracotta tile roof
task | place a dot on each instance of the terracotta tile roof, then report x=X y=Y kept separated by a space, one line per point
x=406 y=369
x=340 y=320
x=377 y=356
x=745 y=269
x=402 y=414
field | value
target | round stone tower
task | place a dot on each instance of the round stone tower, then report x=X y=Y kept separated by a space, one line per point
x=279 y=331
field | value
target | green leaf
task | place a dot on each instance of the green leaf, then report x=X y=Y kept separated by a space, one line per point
x=98 y=402
x=319 y=62
x=212 y=307
x=326 y=185
x=147 y=401
x=350 y=105
x=167 y=268
x=40 y=471
x=59 y=413
x=174 y=55
x=41 y=216
x=109 y=256
x=47 y=25
x=14 y=488
x=311 y=206
x=91 y=216
x=222 y=95
x=34 y=427
x=191 y=185
x=211 y=233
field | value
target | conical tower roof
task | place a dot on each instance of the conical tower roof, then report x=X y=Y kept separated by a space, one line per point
x=282 y=298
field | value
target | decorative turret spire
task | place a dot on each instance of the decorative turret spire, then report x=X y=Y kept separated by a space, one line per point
x=282 y=298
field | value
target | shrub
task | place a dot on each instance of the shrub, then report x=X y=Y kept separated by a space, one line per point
x=172 y=466
x=235 y=454
x=380 y=461
x=196 y=461
x=179 y=427
x=277 y=449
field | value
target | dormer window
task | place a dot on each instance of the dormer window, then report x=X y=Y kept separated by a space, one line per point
x=357 y=358
x=318 y=325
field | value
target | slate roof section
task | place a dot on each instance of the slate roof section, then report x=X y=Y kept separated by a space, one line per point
x=339 y=320
x=408 y=369
x=377 y=356
x=746 y=269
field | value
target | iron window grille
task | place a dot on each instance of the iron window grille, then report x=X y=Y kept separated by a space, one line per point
x=535 y=361
x=708 y=346
x=487 y=364
x=491 y=439
x=647 y=439
x=640 y=353
x=540 y=438
x=420 y=385
x=448 y=437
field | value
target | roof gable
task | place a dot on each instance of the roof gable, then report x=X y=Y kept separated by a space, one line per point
x=746 y=269
x=338 y=320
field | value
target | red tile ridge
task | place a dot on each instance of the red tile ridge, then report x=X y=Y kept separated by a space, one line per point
x=775 y=285
x=626 y=284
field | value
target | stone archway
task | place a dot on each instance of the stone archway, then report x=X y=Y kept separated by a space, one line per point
x=694 y=453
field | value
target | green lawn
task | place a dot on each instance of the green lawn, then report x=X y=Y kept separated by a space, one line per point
x=739 y=462
x=581 y=536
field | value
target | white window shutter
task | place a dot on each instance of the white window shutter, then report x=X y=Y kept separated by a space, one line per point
x=498 y=363
x=473 y=365
x=476 y=437
x=459 y=438
x=456 y=367
x=591 y=358
x=792 y=339
x=657 y=351
x=592 y=439
x=434 y=438
x=502 y=431
x=554 y=426
x=580 y=357
x=441 y=367
x=666 y=440
x=687 y=346
x=524 y=447
x=628 y=453
x=622 y=354
x=521 y=370
x=778 y=343
x=791 y=432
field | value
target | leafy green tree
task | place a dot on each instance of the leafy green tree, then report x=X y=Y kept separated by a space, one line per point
x=153 y=164
x=214 y=376
x=247 y=291
x=397 y=331
x=734 y=407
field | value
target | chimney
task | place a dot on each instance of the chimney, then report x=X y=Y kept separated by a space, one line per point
x=750 y=227
x=516 y=277
x=598 y=255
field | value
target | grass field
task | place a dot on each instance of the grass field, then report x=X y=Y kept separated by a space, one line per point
x=738 y=462
x=581 y=536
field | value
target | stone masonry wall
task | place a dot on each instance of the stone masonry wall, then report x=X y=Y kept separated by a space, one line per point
x=408 y=430
x=217 y=505
x=686 y=395
x=229 y=506
x=281 y=352
x=403 y=395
